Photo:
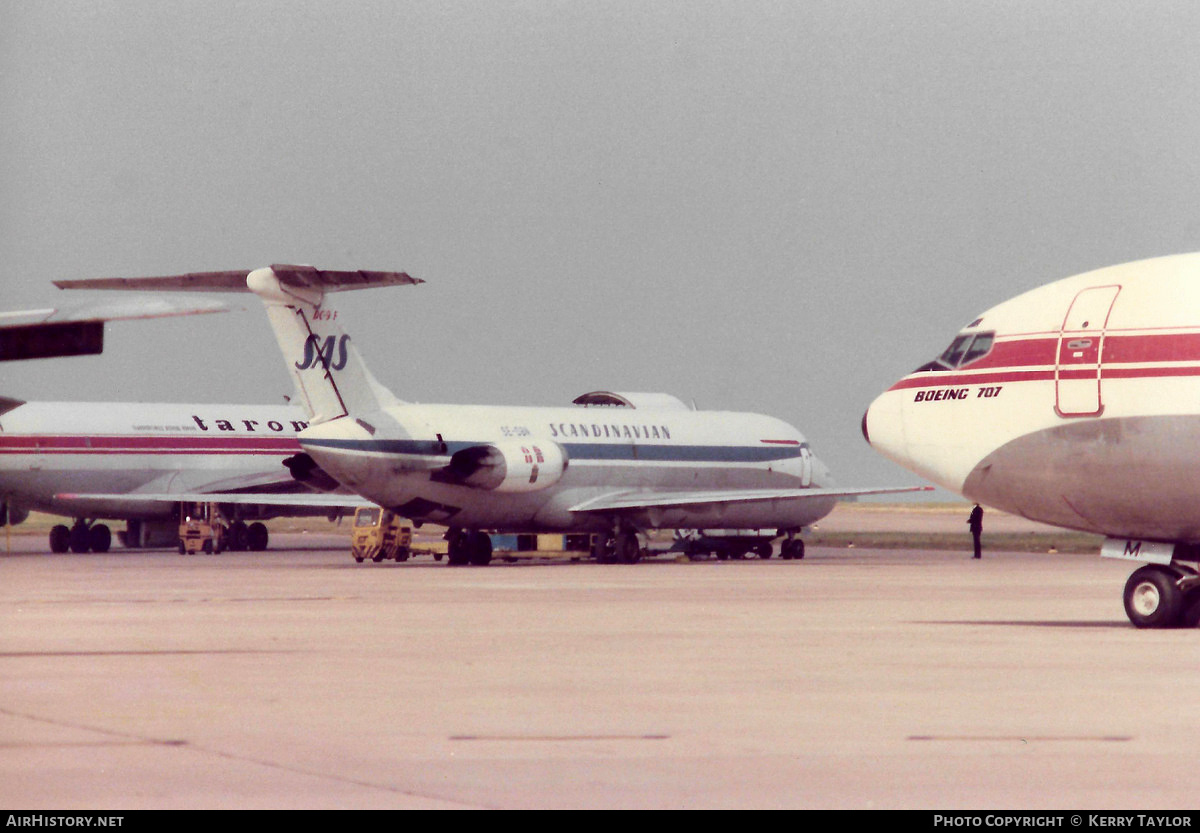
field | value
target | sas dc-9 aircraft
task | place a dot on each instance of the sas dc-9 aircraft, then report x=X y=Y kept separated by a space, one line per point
x=1075 y=404
x=615 y=465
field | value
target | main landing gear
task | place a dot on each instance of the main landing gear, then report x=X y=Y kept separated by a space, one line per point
x=243 y=536
x=792 y=547
x=1163 y=596
x=468 y=546
x=622 y=547
x=80 y=537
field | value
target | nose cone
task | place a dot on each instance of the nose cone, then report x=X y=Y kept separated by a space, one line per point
x=936 y=443
x=883 y=427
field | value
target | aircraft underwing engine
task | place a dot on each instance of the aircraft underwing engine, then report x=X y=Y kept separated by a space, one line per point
x=507 y=466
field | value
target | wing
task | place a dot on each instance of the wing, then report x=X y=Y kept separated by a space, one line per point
x=79 y=331
x=634 y=500
x=313 y=500
x=259 y=489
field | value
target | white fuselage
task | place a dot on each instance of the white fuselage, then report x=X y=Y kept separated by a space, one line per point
x=1083 y=412
x=395 y=460
x=52 y=449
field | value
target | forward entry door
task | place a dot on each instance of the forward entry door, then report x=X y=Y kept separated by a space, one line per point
x=1078 y=375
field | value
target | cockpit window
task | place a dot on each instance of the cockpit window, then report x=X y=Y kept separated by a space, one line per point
x=981 y=346
x=966 y=348
x=954 y=352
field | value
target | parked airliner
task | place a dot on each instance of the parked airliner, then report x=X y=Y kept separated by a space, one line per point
x=613 y=464
x=1075 y=404
x=137 y=462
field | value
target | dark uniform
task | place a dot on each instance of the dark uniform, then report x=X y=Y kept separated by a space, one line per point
x=975 y=522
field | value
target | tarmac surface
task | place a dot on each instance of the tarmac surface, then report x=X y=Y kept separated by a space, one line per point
x=855 y=678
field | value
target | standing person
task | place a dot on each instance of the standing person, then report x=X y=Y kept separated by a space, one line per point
x=975 y=523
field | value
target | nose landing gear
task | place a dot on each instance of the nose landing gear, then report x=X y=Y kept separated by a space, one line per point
x=1163 y=597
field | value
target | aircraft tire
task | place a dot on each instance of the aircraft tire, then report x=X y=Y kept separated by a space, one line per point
x=456 y=548
x=479 y=548
x=628 y=550
x=764 y=551
x=1191 y=610
x=601 y=549
x=79 y=538
x=237 y=536
x=100 y=538
x=256 y=537
x=60 y=538
x=1153 y=599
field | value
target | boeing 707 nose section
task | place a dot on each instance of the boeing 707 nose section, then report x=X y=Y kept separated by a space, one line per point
x=930 y=441
x=1074 y=404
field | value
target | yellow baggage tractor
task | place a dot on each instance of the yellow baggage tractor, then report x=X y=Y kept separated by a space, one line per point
x=379 y=534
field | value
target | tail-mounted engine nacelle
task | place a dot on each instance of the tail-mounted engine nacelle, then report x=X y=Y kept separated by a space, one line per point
x=507 y=466
x=305 y=470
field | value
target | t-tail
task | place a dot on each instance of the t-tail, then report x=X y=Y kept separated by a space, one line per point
x=329 y=374
x=330 y=378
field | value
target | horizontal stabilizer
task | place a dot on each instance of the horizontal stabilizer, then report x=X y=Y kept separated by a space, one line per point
x=617 y=501
x=300 y=277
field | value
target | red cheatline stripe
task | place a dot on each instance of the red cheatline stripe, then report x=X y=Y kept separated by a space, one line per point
x=781 y=442
x=1033 y=359
x=958 y=380
x=76 y=444
x=938 y=379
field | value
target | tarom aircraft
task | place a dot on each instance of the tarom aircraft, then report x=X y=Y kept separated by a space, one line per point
x=613 y=464
x=137 y=462
x=1075 y=404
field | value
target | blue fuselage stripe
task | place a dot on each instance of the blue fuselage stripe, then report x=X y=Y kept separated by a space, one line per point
x=579 y=451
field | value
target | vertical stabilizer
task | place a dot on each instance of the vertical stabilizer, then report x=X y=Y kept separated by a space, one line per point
x=329 y=375
x=330 y=378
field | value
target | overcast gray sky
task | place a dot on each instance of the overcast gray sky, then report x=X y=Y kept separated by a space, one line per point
x=769 y=206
